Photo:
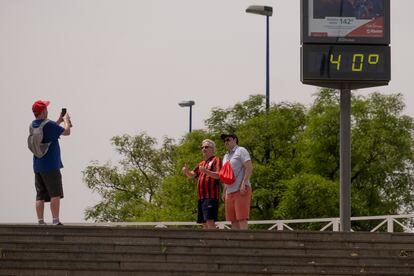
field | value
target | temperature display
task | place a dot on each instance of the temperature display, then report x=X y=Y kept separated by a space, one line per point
x=346 y=63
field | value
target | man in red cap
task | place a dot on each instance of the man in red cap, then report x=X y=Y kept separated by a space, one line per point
x=48 y=179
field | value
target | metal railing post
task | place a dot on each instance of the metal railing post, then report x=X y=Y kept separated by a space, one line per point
x=335 y=225
x=390 y=225
x=279 y=226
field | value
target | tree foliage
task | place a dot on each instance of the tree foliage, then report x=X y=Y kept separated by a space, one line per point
x=128 y=190
x=295 y=155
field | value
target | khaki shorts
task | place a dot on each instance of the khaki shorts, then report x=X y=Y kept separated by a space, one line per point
x=237 y=206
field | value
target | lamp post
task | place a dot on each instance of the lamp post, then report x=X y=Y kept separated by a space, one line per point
x=266 y=11
x=189 y=104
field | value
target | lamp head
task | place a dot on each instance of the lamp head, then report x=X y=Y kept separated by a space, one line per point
x=186 y=103
x=262 y=10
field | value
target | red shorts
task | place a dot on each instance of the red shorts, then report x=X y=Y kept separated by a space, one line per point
x=237 y=206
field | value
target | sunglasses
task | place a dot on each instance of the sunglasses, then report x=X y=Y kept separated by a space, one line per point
x=204 y=147
x=227 y=139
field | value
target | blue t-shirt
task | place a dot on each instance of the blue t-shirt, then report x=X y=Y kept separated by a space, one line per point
x=51 y=161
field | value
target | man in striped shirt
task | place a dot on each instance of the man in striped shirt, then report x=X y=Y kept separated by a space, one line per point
x=208 y=187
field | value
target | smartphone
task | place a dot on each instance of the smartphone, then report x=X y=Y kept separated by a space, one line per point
x=62 y=113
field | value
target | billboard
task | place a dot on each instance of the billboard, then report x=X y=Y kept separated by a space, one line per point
x=346 y=21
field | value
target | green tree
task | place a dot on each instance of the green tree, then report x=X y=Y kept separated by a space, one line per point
x=319 y=143
x=229 y=119
x=277 y=132
x=382 y=155
x=309 y=196
x=382 y=150
x=128 y=191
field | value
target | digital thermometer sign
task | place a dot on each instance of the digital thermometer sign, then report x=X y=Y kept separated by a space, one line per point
x=345 y=43
x=345 y=63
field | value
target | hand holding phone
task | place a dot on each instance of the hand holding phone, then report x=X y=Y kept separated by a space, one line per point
x=63 y=113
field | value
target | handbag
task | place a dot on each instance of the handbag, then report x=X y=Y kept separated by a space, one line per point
x=226 y=174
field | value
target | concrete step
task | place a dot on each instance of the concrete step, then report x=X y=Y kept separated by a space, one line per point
x=89 y=250
x=219 y=257
x=50 y=272
x=191 y=245
x=216 y=248
x=214 y=238
x=255 y=235
x=203 y=267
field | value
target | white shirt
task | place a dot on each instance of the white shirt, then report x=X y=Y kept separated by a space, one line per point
x=237 y=156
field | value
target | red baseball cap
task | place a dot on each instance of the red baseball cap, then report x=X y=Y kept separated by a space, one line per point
x=39 y=106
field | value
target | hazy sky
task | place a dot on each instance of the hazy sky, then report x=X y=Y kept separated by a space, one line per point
x=121 y=67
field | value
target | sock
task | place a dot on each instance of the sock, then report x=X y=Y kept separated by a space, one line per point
x=56 y=221
x=41 y=221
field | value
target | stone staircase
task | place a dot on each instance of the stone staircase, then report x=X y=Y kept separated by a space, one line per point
x=102 y=250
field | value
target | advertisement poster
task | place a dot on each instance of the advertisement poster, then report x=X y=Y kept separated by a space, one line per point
x=346 y=18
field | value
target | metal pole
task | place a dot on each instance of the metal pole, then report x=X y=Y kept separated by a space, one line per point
x=267 y=65
x=191 y=115
x=345 y=160
x=267 y=146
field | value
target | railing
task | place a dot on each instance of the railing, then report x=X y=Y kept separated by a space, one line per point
x=330 y=223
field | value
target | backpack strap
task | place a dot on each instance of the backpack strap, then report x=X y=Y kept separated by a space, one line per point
x=42 y=124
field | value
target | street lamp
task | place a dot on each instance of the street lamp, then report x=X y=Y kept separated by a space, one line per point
x=189 y=104
x=266 y=11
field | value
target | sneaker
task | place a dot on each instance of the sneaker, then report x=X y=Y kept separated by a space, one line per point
x=59 y=223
